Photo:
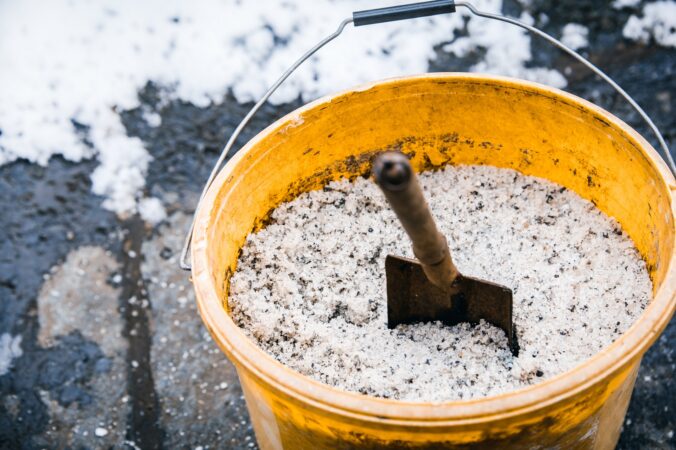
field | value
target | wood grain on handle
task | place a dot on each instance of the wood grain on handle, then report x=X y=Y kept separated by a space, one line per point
x=394 y=175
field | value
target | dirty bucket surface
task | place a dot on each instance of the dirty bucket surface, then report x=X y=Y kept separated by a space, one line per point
x=310 y=287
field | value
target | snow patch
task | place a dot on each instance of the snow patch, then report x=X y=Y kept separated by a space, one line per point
x=619 y=4
x=575 y=36
x=658 y=22
x=10 y=348
x=507 y=51
x=151 y=210
x=152 y=118
x=76 y=60
x=121 y=174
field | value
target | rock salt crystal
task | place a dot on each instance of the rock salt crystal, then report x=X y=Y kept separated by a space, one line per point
x=310 y=287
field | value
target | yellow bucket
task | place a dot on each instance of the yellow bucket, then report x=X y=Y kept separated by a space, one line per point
x=440 y=119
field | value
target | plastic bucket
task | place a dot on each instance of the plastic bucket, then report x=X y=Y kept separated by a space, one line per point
x=441 y=119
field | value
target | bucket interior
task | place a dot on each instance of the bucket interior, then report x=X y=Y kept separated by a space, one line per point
x=446 y=119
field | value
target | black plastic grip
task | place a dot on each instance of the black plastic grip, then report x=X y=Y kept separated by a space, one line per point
x=401 y=12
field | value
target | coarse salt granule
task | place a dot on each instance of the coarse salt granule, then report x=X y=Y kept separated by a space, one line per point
x=310 y=287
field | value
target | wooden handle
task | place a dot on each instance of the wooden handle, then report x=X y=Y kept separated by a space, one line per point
x=399 y=183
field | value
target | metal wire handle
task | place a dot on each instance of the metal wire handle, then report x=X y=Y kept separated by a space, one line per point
x=398 y=13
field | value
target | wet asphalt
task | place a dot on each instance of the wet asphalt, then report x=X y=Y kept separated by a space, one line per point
x=173 y=388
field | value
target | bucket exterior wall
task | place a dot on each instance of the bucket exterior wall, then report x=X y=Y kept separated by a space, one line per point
x=441 y=119
x=592 y=420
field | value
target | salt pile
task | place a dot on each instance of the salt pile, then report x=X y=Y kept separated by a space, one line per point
x=310 y=287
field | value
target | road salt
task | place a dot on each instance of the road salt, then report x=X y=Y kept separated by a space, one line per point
x=310 y=287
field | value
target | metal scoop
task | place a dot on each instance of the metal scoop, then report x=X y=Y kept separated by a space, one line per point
x=431 y=288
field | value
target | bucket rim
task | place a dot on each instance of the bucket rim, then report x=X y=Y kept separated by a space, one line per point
x=244 y=353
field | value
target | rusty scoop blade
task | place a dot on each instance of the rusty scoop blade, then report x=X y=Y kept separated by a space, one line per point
x=412 y=298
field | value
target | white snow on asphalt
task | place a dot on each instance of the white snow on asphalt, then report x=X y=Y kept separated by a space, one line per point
x=619 y=4
x=151 y=210
x=575 y=36
x=657 y=21
x=507 y=51
x=10 y=348
x=76 y=60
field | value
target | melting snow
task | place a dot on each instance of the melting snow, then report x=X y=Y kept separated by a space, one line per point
x=507 y=51
x=619 y=4
x=658 y=21
x=67 y=61
x=575 y=36
x=151 y=210
x=10 y=348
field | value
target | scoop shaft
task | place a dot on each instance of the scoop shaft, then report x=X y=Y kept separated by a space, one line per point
x=395 y=177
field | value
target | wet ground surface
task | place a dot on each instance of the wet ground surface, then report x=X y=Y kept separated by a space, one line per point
x=109 y=351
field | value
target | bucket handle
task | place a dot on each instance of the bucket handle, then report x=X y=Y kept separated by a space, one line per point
x=401 y=12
